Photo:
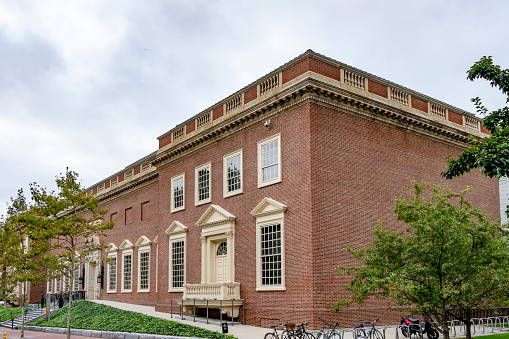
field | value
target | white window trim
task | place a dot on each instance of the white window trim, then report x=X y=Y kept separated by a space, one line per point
x=261 y=143
x=125 y=253
x=225 y=174
x=269 y=212
x=112 y=257
x=177 y=232
x=173 y=209
x=50 y=288
x=198 y=202
x=143 y=245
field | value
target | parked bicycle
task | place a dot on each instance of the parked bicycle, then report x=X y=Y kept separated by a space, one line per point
x=330 y=334
x=367 y=330
x=301 y=332
x=288 y=331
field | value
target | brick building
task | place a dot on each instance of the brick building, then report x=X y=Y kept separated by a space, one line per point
x=258 y=196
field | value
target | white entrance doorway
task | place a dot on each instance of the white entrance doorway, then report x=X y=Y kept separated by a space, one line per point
x=221 y=262
x=91 y=281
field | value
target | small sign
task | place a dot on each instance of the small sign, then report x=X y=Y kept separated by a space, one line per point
x=225 y=327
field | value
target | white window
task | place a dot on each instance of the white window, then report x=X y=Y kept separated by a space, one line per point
x=269 y=161
x=50 y=286
x=143 y=245
x=202 y=180
x=112 y=273
x=76 y=277
x=57 y=285
x=177 y=259
x=66 y=280
x=232 y=174
x=178 y=191
x=270 y=245
x=127 y=268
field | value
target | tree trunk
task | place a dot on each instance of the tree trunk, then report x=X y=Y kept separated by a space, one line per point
x=23 y=289
x=71 y=283
x=468 y=323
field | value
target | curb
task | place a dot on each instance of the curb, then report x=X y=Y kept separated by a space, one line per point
x=103 y=334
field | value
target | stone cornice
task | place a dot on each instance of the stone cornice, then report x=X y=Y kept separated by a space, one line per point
x=313 y=90
x=121 y=190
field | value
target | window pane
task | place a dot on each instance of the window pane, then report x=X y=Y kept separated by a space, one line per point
x=144 y=270
x=178 y=192
x=270 y=161
x=127 y=271
x=177 y=262
x=203 y=184
x=271 y=254
x=113 y=273
x=233 y=173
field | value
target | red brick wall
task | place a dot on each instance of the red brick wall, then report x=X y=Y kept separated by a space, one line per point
x=357 y=167
x=190 y=127
x=378 y=89
x=484 y=130
x=137 y=169
x=121 y=177
x=455 y=117
x=165 y=141
x=311 y=64
x=294 y=71
x=250 y=94
x=420 y=104
x=217 y=112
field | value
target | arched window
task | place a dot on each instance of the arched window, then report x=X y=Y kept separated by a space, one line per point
x=222 y=249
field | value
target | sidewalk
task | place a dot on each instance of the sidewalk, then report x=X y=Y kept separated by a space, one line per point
x=240 y=331
x=11 y=334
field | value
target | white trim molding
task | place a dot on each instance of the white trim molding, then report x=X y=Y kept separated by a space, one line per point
x=177 y=233
x=240 y=180
x=269 y=161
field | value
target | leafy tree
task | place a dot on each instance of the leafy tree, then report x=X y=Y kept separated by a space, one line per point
x=74 y=219
x=491 y=154
x=24 y=249
x=449 y=257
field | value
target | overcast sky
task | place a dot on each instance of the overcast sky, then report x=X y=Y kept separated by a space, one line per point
x=90 y=85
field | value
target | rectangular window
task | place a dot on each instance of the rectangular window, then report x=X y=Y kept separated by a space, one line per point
x=178 y=193
x=202 y=179
x=271 y=255
x=50 y=286
x=66 y=281
x=127 y=267
x=128 y=215
x=112 y=274
x=269 y=161
x=232 y=174
x=57 y=285
x=76 y=278
x=177 y=264
x=144 y=270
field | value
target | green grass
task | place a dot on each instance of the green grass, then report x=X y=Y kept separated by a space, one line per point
x=5 y=313
x=496 y=336
x=91 y=316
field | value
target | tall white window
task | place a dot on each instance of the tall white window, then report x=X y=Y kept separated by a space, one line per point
x=76 y=277
x=143 y=245
x=177 y=259
x=127 y=267
x=269 y=161
x=202 y=179
x=112 y=274
x=66 y=280
x=50 y=286
x=270 y=245
x=177 y=264
x=178 y=192
x=232 y=174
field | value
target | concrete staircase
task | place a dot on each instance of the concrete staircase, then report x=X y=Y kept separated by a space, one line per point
x=33 y=313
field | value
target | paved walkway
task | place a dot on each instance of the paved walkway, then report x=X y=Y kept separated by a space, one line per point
x=11 y=334
x=240 y=331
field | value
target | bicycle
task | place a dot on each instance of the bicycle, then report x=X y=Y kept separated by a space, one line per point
x=332 y=334
x=288 y=331
x=362 y=331
x=301 y=332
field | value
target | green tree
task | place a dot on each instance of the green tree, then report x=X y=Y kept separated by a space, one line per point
x=450 y=256
x=74 y=219
x=24 y=250
x=491 y=154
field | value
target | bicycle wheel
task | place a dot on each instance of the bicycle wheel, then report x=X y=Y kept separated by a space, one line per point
x=361 y=333
x=270 y=335
x=433 y=333
x=376 y=334
x=319 y=335
x=334 y=335
x=307 y=335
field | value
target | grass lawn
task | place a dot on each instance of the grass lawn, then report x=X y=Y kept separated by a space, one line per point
x=5 y=313
x=496 y=336
x=91 y=316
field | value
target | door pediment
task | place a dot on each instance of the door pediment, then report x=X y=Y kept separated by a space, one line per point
x=176 y=227
x=215 y=215
x=268 y=206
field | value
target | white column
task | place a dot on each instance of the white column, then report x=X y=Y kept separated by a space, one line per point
x=204 y=269
x=230 y=242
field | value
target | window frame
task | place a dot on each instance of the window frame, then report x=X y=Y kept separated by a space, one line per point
x=175 y=239
x=198 y=202
x=125 y=253
x=262 y=143
x=142 y=250
x=173 y=179
x=227 y=157
x=112 y=257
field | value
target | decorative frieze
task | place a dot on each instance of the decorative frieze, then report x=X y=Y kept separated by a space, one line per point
x=269 y=84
